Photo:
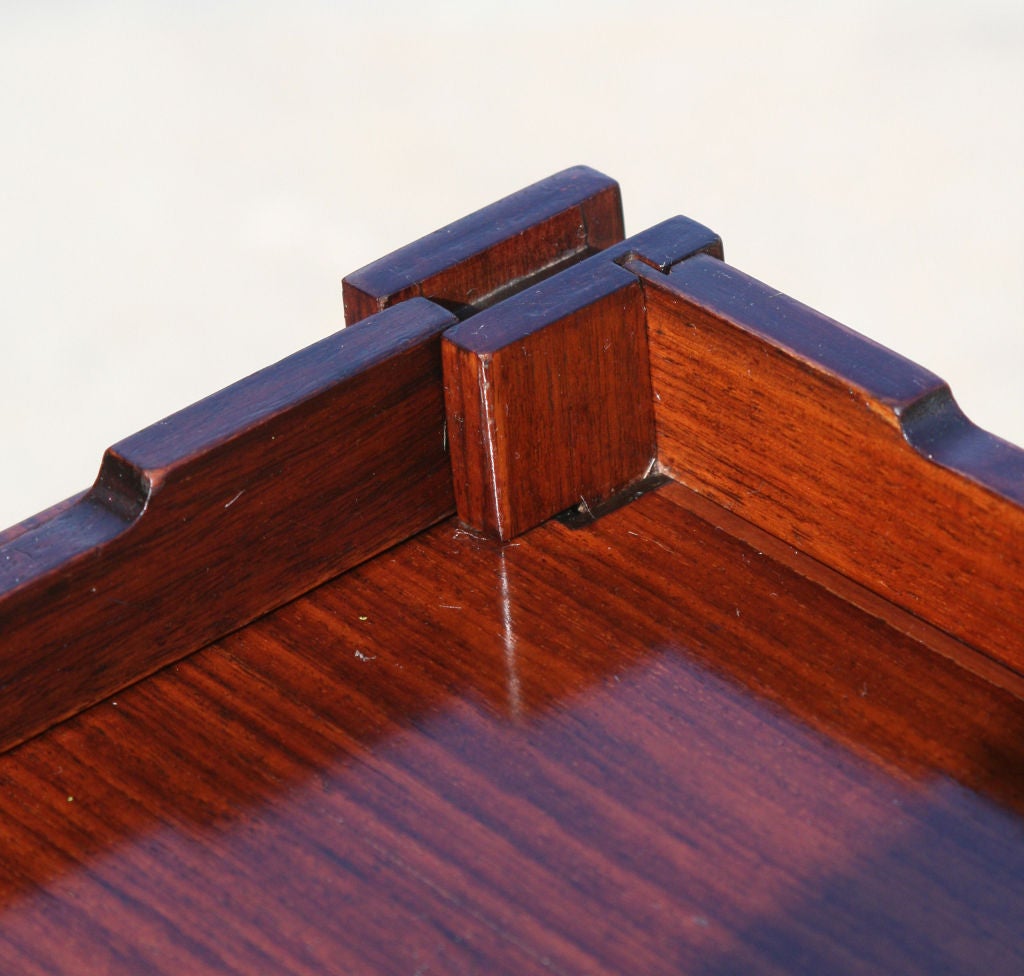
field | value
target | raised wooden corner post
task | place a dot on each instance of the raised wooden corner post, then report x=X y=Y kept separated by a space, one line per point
x=553 y=409
x=517 y=363
x=548 y=394
x=255 y=495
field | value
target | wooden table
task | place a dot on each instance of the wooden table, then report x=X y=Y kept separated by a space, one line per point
x=585 y=607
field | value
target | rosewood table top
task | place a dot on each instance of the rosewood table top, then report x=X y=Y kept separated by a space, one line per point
x=586 y=606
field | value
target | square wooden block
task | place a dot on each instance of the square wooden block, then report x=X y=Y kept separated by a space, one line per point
x=548 y=398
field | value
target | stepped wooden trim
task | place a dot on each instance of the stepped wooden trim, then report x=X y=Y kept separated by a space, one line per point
x=834 y=444
x=224 y=511
x=549 y=393
x=497 y=250
x=759 y=712
x=560 y=414
x=809 y=432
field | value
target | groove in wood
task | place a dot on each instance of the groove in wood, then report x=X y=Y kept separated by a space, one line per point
x=223 y=511
x=548 y=394
x=482 y=258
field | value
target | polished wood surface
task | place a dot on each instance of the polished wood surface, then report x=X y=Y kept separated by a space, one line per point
x=232 y=507
x=322 y=459
x=549 y=416
x=488 y=255
x=548 y=394
x=840 y=447
x=759 y=712
x=638 y=747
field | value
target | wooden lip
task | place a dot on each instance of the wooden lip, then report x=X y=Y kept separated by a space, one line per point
x=497 y=250
x=224 y=511
x=139 y=470
x=659 y=247
x=922 y=405
x=838 y=446
x=275 y=484
x=940 y=431
x=301 y=471
x=548 y=394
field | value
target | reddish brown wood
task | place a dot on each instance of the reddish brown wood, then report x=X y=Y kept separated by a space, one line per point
x=498 y=250
x=856 y=594
x=96 y=564
x=223 y=511
x=548 y=400
x=639 y=747
x=666 y=742
x=548 y=394
x=841 y=448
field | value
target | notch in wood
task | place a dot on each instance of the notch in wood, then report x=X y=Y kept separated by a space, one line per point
x=490 y=254
x=223 y=511
x=548 y=395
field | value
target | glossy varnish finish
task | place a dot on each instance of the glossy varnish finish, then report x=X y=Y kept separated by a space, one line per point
x=638 y=747
x=224 y=511
x=548 y=400
x=323 y=459
x=548 y=394
x=840 y=447
x=683 y=738
x=478 y=260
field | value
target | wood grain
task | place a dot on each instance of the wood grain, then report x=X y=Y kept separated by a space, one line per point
x=839 y=447
x=638 y=747
x=548 y=394
x=498 y=250
x=97 y=591
x=556 y=413
x=706 y=733
x=219 y=513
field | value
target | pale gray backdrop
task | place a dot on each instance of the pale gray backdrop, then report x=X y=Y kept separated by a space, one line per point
x=183 y=185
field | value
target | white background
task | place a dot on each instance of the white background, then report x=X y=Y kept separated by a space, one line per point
x=182 y=186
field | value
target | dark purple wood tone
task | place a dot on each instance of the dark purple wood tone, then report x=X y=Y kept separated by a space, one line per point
x=641 y=747
x=498 y=250
x=839 y=447
x=223 y=511
x=548 y=394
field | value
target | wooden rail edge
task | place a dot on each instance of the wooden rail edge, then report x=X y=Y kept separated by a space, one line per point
x=223 y=512
x=560 y=365
x=494 y=252
x=848 y=452
x=255 y=495
x=549 y=393
x=580 y=386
